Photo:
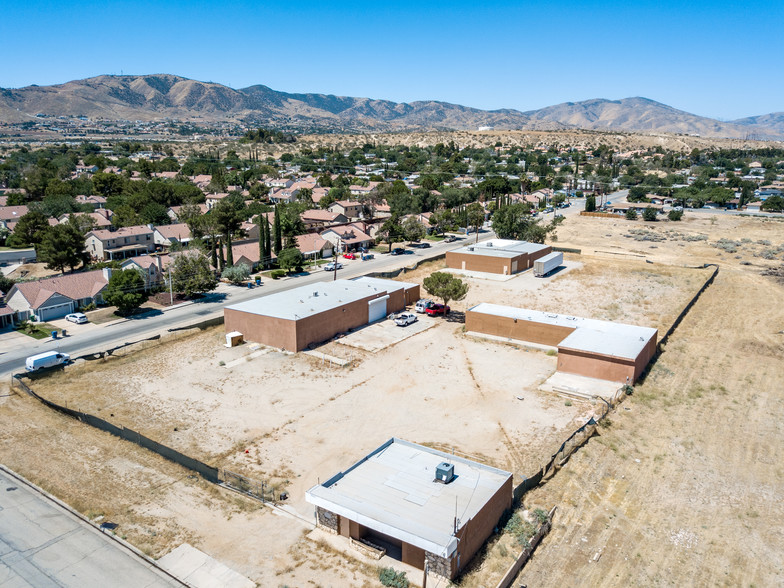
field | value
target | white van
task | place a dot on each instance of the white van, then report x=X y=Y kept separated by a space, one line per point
x=422 y=305
x=45 y=360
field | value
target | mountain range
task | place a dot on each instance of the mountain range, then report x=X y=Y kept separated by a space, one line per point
x=159 y=96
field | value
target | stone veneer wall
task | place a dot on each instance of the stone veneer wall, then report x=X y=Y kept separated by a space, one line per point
x=327 y=519
x=438 y=565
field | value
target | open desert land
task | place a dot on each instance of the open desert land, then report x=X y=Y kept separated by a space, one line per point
x=683 y=469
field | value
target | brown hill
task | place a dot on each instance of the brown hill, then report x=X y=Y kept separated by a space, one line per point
x=152 y=97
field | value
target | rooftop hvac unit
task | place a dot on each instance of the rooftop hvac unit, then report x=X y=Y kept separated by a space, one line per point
x=470 y=248
x=489 y=243
x=445 y=472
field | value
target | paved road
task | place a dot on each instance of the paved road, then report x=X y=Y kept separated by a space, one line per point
x=44 y=545
x=13 y=351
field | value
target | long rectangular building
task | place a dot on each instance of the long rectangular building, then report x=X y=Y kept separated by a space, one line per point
x=587 y=347
x=297 y=318
x=497 y=256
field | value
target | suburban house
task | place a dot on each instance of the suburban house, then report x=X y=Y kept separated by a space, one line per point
x=283 y=194
x=362 y=190
x=152 y=266
x=347 y=208
x=497 y=256
x=12 y=214
x=174 y=211
x=314 y=246
x=419 y=505
x=310 y=314
x=101 y=217
x=94 y=201
x=596 y=349
x=246 y=253
x=348 y=237
x=211 y=200
x=279 y=182
x=52 y=298
x=321 y=218
x=167 y=235
x=622 y=207
x=754 y=206
x=125 y=242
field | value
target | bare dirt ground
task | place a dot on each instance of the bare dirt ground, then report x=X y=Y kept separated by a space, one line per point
x=703 y=425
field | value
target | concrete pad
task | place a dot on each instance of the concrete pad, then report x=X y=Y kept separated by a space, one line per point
x=201 y=571
x=580 y=387
x=385 y=333
x=330 y=358
x=483 y=275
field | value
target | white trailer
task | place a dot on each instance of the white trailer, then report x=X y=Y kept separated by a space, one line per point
x=544 y=265
x=45 y=360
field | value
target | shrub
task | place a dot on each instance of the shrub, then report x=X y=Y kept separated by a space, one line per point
x=521 y=529
x=389 y=577
x=278 y=273
x=541 y=515
x=236 y=274
x=649 y=214
x=631 y=214
x=675 y=215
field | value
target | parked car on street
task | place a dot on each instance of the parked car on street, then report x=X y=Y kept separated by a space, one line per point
x=423 y=304
x=436 y=309
x=332 y=266
x=450 y=239
x=422 y=245
x=46 y=360
x=349 y=255
x=398 y=251
x=76 y=317
x=405 y=318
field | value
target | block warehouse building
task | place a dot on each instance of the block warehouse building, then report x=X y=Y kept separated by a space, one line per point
x=297 y=318
x=419 y=504
x=497 y=256
x=597 y=349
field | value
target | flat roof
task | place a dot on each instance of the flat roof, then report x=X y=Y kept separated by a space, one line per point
x=313 y=299
x=501 y=248
x=591 y=335
x=393 y=491
x=382 y=283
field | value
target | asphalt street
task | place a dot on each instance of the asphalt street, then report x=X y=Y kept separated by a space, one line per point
x=13 y=351
x=44 y=545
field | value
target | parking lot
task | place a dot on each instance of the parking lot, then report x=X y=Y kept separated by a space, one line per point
x=386 y=333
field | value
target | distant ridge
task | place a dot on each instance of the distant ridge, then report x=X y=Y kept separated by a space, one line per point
x=159 y=96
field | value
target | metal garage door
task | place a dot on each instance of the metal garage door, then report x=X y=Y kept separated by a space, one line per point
x=53 y=312
x=377 y=309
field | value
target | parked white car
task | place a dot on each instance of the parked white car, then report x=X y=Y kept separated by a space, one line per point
x=330 y=267
x=76 y=317
x=405 y=319
x=422 y=305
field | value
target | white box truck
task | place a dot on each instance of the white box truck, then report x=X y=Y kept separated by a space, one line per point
x=45 y=360
x=544 y=265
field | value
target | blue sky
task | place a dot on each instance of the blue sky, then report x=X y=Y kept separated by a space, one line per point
x=722 y=59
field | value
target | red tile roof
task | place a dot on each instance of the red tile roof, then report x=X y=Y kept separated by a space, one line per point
x=74 y=286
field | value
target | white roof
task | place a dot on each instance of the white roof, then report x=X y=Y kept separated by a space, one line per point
x=393 y=491
x=314 y=299
x=595 y=336
x=501 y=248
x=390 y=285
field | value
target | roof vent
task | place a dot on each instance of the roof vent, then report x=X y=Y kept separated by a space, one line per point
x=470 y=248
x=445 y=472
x=489 y=243
x=315 y=294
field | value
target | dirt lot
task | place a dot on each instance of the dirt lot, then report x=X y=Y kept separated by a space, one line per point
x=699 y=425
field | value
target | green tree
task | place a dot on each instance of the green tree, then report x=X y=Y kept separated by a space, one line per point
x=29 y=230
x=441 y=220
x=515 y=222
x=476 y=217
x=649 y=214
x=445 y=286
x=590 y=204
x=236 y=274
x=773 y=204
x=391 y=230
x=631 y=214
x=413 y=229
x=191 y=274
x=125 y=290
x=62 y=246
x=675 y=215
x=278 y=233
x=290 y=258
x=229 y=216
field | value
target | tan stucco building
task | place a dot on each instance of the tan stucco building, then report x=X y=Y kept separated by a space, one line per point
x=398 y=499
x=597 y=349
x=297 y=318
x=497 y=256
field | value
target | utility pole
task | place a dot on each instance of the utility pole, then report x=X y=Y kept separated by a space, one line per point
x=171 y=291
